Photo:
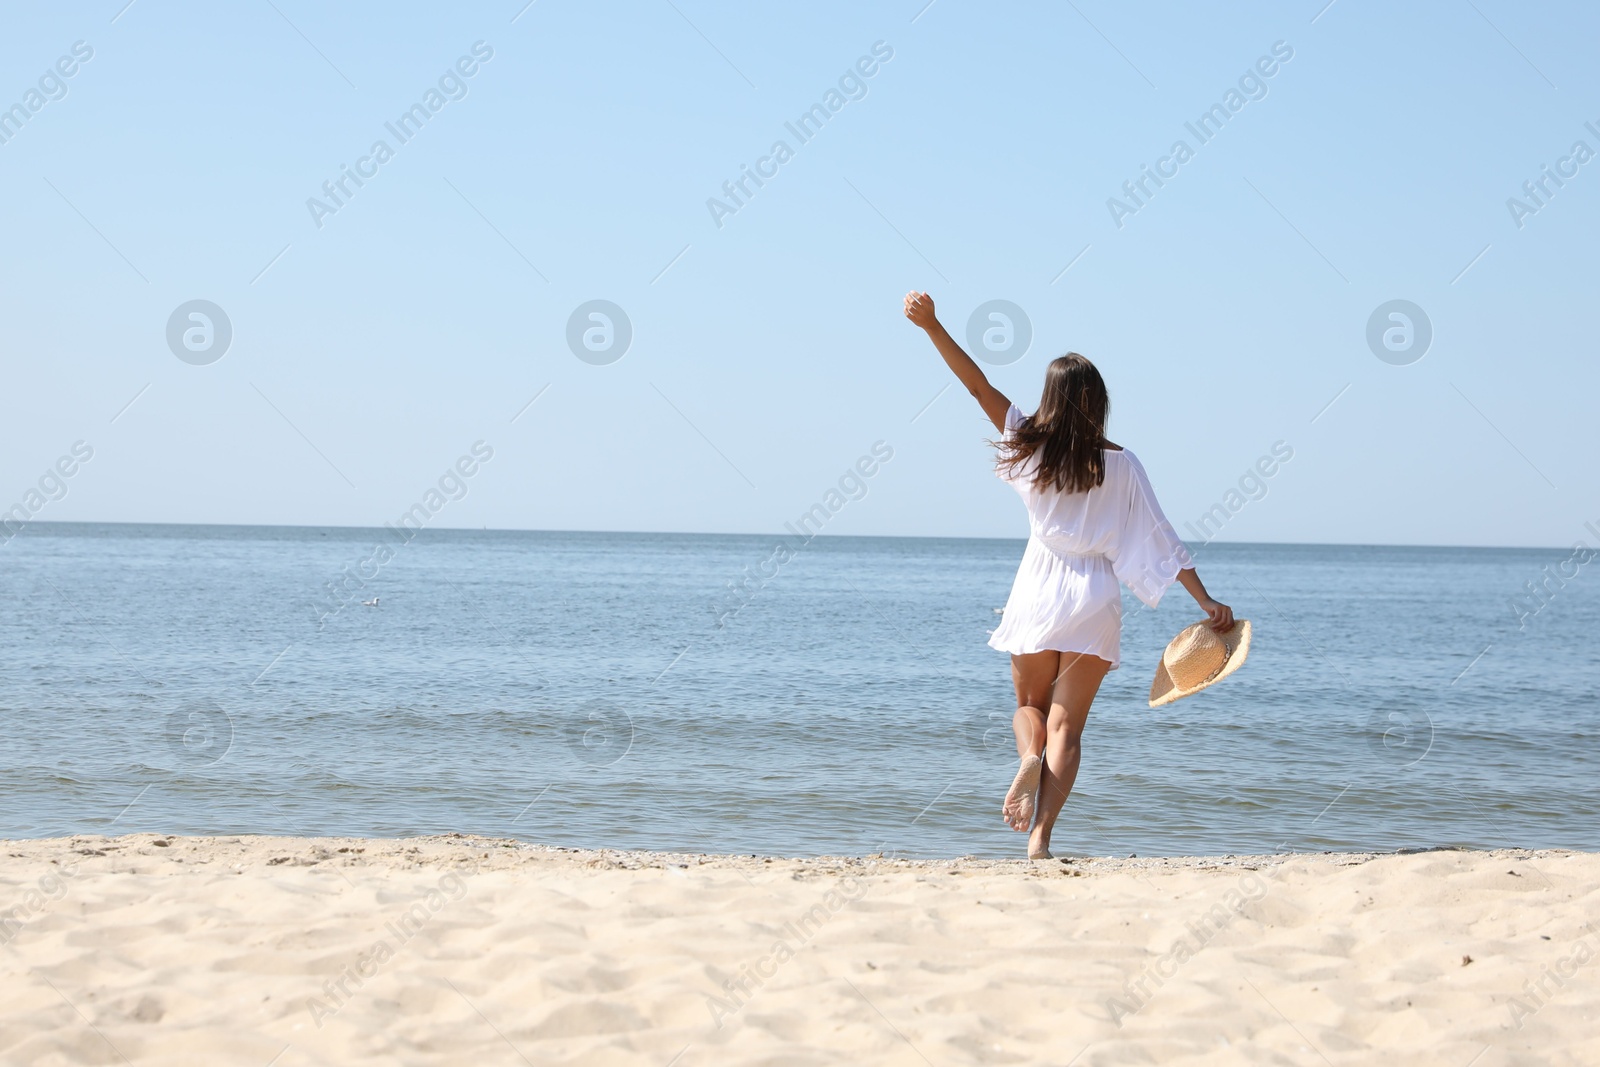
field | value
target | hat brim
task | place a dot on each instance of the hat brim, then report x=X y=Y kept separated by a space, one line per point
x=1237 y=641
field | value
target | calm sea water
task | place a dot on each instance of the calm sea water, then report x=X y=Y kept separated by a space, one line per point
x=575 y=689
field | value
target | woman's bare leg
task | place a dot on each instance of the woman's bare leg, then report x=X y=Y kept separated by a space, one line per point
x=1034 y=676
x=1074 y=690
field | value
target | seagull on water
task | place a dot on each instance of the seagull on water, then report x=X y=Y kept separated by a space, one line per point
x=370 y=603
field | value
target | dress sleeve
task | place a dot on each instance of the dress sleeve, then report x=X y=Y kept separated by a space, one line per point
x=1014 y=417
x=1149 y=552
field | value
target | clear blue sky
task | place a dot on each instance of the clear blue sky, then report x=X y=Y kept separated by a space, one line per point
x=421 y=317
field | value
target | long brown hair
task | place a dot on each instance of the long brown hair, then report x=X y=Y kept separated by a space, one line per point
x=1068 y=431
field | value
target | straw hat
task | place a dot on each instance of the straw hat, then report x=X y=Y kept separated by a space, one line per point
x=1198 y=657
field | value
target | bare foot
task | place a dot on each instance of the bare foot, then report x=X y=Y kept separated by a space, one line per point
x=1018 y=806
x=1039 y=846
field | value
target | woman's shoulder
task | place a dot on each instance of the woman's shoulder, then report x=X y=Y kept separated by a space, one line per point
x=1124 y=458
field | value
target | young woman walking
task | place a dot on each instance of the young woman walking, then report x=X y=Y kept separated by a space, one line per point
x=1092 y=520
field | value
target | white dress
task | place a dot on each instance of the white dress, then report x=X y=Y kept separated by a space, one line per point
x=1079 y=546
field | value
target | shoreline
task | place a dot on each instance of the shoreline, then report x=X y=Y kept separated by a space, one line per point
x=509 y=853
x=298 y=951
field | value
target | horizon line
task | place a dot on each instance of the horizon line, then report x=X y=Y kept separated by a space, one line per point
x=717 y=533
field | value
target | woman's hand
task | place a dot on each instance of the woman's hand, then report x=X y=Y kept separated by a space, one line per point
x=919 y=309
x=1220 y=614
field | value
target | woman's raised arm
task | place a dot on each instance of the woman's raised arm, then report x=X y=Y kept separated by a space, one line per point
x=919 y=309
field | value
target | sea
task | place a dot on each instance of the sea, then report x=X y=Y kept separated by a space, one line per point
x=612 y=690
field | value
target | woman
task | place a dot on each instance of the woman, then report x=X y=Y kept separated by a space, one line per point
x=1092 y=519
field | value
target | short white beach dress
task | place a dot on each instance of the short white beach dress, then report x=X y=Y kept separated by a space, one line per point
x=1080 y=545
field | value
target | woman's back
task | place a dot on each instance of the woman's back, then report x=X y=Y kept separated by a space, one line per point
x=1118 y=519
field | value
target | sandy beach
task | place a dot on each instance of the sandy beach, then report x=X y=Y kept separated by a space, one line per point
x=457 y=949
